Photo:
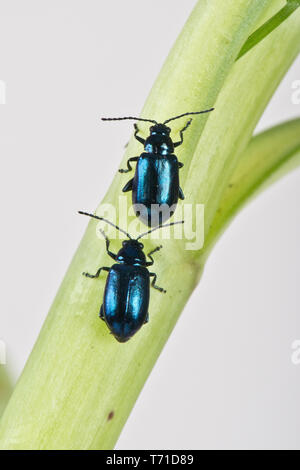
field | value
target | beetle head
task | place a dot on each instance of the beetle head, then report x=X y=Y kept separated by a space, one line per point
x=132 y=253
x=161 y=129
x=159 y=141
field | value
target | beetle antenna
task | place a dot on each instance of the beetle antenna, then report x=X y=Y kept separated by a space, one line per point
x=105 y=220
x=188 y=114
x=158 y=227
x=129 y=117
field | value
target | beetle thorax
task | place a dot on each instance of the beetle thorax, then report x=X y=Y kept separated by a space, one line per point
x=132 y=253
x=159 y=141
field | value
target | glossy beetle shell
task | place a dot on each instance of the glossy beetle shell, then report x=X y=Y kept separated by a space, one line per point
x=126 y=300
x=155 y=183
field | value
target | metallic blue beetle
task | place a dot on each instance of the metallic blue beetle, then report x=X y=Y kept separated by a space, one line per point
x=155 y=185
x=127 y=289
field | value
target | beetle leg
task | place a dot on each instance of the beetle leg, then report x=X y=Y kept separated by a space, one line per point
x=101 y=313
x=93 y=276
x=176 y=144
x=151 y=253
x=128 y=186
x=180 y=165
x=140 y=139
x=154 y=285
x=181 y=195
x=129 y=167
x=147 y=318
x=107 y=241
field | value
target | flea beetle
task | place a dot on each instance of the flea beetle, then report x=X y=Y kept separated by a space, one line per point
x=127 y=289
x=155 y=186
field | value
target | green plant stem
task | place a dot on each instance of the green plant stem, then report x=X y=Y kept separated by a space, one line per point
x=77 y=374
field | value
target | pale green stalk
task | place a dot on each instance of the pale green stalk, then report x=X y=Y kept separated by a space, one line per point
x=79 y=384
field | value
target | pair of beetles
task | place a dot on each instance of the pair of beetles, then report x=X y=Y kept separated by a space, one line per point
x=155 y=184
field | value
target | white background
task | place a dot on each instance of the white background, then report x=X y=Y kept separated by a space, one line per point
x=225 y=378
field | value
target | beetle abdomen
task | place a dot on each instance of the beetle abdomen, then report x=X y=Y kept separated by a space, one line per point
x=126 y=300
x=155 y=188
